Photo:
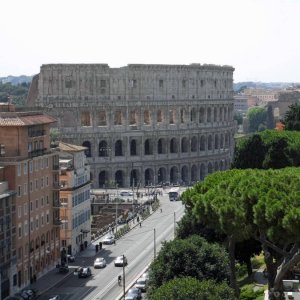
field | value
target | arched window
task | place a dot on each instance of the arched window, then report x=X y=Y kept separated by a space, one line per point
x=87 y=152
x=149 y=177
x=174 y=175
x=209 y=143
x=159 y=117
x=209 y=168
x=103 y=149
x=161 y=146
x=133 y=148
x=103 y=179
x=119 y=180
x=194 y=144
x=215 y=114
x=118 y=148
x=201 y=115
x=216 y=142
x=184 y=175
x=202 y=143
x=161 y=175
x=193 y=115
x=173 y=146
x=148 y=147
x=184 y=145
x=194 y=176
x=208 y=115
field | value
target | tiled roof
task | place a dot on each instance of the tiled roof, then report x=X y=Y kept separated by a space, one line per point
x=14 y=119
x=70 y=147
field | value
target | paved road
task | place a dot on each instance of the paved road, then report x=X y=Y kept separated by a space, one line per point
x=137 y=246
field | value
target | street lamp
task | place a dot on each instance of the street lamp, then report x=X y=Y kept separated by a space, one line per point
x=117 y=200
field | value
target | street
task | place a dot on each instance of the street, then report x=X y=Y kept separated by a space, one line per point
x=138 y=246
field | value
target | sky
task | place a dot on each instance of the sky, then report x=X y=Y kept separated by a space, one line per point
x=259 y=38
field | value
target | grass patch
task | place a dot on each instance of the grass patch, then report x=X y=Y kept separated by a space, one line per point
x=248 y=292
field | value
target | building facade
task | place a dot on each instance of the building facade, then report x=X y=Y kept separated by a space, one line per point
x=8 y=254
x=75 y=211
x=31 y=169
x=142 y=124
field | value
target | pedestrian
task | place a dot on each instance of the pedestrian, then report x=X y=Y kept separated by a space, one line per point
x=140 y=224
x=114 y=242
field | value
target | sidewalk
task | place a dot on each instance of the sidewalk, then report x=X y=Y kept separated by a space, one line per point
x=53 y=277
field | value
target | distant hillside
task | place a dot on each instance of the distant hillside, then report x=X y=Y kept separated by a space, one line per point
x=262 y=85
x=15 y=80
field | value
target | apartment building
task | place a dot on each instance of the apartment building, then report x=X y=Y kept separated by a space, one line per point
x=8 y=279
x=31 y=168
x=75 y=211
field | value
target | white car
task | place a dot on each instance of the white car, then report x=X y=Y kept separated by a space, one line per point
x=120 y=261
x=99 y=262
x=108 y=240
x=142 y=284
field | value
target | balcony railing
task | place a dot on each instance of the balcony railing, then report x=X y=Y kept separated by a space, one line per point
x=36 y=133
x=37 y=152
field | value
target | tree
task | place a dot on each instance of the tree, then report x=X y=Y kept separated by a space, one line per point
x=244 y=250
x=249 y=153
x=190 y=288
x=291 y=118
x=257 y=116
x=266 y=202
x=193 y=257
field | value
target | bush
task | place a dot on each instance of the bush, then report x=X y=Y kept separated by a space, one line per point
x=248 y=293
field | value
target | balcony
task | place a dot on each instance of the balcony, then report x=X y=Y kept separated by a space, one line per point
x=35 y=133
x=38 y=152
x=57 y=222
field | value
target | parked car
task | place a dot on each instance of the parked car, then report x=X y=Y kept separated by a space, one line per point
x=99 y=262
x=135 y=292
x=145 y=275
x=108 y=240
x=142 y=284
x=84 y=272
x=63 y=269
x=70 y=258
x=120 y=261
x=131 y=297
x=56 y=297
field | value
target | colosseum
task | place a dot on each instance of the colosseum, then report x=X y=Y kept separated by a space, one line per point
x=142 y=124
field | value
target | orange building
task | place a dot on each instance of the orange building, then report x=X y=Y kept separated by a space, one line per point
x=31 y=168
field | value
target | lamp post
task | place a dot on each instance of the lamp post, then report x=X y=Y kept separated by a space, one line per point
x=117 y=208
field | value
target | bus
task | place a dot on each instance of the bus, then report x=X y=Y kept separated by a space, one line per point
x=174 y=194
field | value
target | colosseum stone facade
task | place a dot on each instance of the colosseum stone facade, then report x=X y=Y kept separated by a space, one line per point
x=142 y=124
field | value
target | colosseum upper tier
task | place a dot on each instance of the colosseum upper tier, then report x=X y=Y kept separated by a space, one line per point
x=142 y=124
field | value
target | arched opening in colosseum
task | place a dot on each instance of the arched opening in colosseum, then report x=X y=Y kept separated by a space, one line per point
x=216 y=166
x=148 y=147
x=118 y=148
x=88 y=151
x=119 y=178
x=208 y=115
x=85 y=118
x=134 y=178
x=209 y=168
x=194 y=174
x=161 y=175
x=226 y=114
x=221 y=114
x=193 y=115
x=194 y=144
x=202 y=172
x=226 y=140
x=215 y=115
x=102 y=118
x=221 y=165
x=132 y=117
x=161 y=146
x=149 y=177
x=133 y=150
x=103 y=179
x=173 y=145
x=185 y=175
x=184 y=145
x=201 y=115
x=174 y=175
x=209 y=143
x=147 y=119
x=202 y=143
x=182 y=116
x=216 y=142
x=118 y=117
x=159 y=116
x=103 y=149
x=222 y=141
x=172 y=118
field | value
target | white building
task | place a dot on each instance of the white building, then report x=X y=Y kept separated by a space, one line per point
x=75 y=210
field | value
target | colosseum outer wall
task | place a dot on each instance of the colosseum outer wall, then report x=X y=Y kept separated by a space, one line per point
x=142 y=124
